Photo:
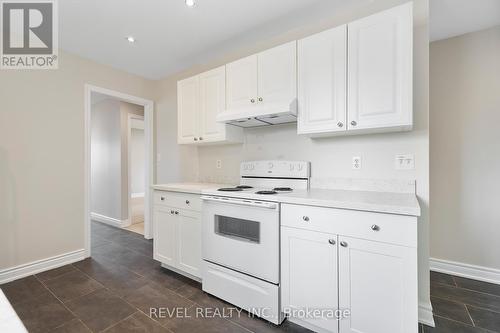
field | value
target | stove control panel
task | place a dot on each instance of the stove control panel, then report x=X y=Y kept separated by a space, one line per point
x=288 y=169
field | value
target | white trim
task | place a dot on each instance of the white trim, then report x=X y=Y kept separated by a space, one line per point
x=148 y=131
x=109 y=220
x=475 y=272
x=129 y=164
x=14 y=273
x=425 y=314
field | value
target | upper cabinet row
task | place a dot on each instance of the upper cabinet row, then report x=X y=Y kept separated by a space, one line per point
x=355 y=78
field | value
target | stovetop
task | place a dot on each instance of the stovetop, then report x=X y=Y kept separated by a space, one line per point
x=259 y=191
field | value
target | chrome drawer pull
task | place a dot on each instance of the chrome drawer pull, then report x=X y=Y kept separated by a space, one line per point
x=305 y=218
x=375 y=227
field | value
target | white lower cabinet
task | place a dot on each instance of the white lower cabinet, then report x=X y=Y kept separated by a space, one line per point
x=377 y=284
x=189 y=242
x=177 y=239
x=372 y=283
x=309 y=275
x=164 y=240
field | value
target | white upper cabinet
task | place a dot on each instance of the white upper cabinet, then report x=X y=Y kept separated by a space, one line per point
x=380 y=70
x=212 y=102
x=200 y=99
x=277 y=75
x=188 y=99
x=322 y=85
x=264 y=80
x=242 y=83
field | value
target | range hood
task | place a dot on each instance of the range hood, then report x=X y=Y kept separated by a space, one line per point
x=257 y=116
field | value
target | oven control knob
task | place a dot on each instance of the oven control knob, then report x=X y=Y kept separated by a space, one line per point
x=291 y=167
x=251 y=167
x=270 y=165
x=299 y=167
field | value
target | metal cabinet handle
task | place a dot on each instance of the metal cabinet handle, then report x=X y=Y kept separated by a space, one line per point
x=331 y=241
x=375 y=227
x=353 y=123
x=340 y=124
x=201 y=138
x=252 y=100
x=305 y=218
x=176 y=212
x=260 y=99
x=343 y=244
x=187 y=202
x=171 y=212
x=162 y=198
x=195 y=139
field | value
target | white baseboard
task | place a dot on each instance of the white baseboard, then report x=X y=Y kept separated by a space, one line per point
x=425 y=314
x=17 y=272
x=480 y=273
x=109 y=220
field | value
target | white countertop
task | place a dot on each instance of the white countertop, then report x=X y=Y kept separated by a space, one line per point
x=194 y=188
x=371 y=201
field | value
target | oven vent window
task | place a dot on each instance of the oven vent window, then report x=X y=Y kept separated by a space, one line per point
x=239 y=229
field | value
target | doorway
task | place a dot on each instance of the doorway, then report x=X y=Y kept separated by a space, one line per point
x=123 y=154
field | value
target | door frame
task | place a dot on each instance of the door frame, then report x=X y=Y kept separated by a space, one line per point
x=129 y=164
x=148 y=136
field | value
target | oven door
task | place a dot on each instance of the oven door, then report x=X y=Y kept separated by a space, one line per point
x=242 y=235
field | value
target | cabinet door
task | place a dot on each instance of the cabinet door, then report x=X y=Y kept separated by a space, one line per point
x=380 y=70
x=378 y=284
x=241 y=83
x=189 y=242
x=277 y=75
x=188 y=109
x=322 y=86
x=165 y=235
x=212 y=102
x=309 y=274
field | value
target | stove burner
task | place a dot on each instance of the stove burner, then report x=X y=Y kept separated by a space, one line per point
x=266 y=192
x=244 y=187
x=283 y=189
x=230 y=189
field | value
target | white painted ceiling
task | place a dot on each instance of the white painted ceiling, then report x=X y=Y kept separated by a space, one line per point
x=171 y=36
x=450 y=18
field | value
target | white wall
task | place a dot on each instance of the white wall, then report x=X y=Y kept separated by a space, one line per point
x=137 y=161
x=106 y=159
x=465 y=159
x=42 y=155
x=330 y=157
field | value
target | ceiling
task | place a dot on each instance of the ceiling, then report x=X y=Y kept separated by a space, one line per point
x=450 y=18
x=170 y=36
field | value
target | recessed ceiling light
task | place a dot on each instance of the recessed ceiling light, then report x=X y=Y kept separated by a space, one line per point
x=130 y=39
x=190 y=3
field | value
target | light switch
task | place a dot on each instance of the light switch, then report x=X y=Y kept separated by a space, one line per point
x=405 y=162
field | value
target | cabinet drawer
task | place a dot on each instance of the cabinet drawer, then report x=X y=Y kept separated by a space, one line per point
x=178 y=200
x=394 y=229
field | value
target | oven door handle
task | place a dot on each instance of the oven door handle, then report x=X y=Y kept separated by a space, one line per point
x=257 y=204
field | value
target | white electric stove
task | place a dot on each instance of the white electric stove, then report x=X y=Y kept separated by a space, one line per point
x=241 y=235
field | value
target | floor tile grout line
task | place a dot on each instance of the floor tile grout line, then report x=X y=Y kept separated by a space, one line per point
x=55 y=277
x=459 y=322
x=470 y=317
x=119 y=321
x=64 y=305
x=467 y=289
x=464 y=303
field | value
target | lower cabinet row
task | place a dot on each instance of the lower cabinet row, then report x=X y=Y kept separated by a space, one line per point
x=371 y=286
x=367 y=279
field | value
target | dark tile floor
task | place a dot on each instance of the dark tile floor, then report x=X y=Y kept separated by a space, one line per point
x=115 y=290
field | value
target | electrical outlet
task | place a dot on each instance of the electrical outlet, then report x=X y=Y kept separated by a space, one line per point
x=356 y=163
x=405 y=162
x=218 y=164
